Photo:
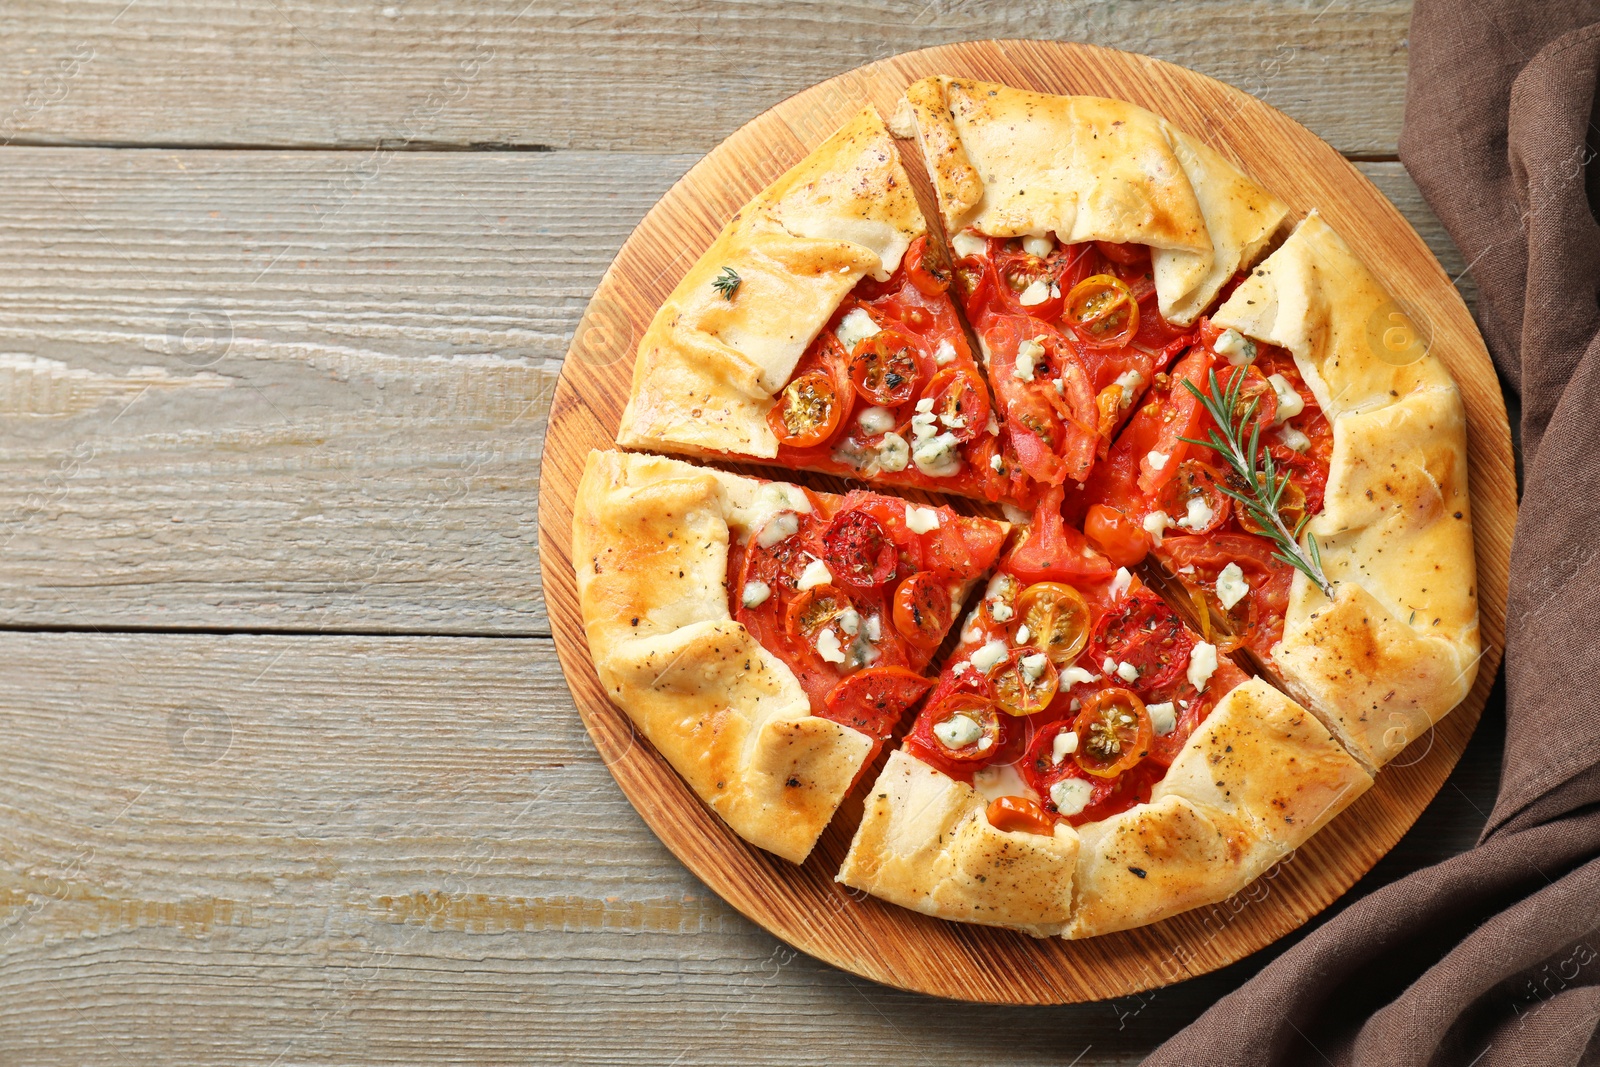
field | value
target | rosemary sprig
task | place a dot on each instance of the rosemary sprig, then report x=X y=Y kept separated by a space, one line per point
x=1255 y=468
x=727 y=283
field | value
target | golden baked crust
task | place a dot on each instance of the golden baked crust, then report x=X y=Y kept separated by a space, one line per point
x=925 y=844
x=1258 y=778
x=650 y=546
x=1009 y=163
x=708 y=367
x=1398 y=647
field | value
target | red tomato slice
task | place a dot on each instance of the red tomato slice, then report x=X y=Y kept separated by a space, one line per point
x=1257 y=618
x=884 y=368
x=1182 y=416
x=1145 y=633
x=929 y=278
x=976 y=748
x=1019 y=815
x=858 y=551
x=1195 y=480
x=1054 y=552
x=922 y=610
x=1113 y=532
x=873 y=700
x=961 y=401
x=1055 y=431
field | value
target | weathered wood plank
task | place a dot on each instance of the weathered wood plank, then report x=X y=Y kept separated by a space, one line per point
x=291 y=390
x=605 y=74
x=258 y=850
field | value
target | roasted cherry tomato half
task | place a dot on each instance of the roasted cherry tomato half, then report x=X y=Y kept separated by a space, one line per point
x=813 y=611
x=929 y=278
x=808 y=411
x=1040 y=768
x=1019 y=815
x=1291 y=509
x=1113 y=731
x=998 y=608
x=1143 y=632
x=1115 y=534
x=962 y=728
x=1195 y=481
x=1256 y=397
x=1102 y=311
x=884 y=368
x=1025 y=682
x=922 y=610
x=1123 y=255
x=873 y=700
x=858 y=551
x=961 y=402
x=1057 y=618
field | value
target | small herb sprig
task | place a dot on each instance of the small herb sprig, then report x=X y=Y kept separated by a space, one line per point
x=727 y=283
x=1253 y=464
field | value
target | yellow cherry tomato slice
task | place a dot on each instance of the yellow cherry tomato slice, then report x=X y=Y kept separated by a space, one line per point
x=1057 y=618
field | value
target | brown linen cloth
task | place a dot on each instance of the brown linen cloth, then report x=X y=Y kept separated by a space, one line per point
x=1492 y=957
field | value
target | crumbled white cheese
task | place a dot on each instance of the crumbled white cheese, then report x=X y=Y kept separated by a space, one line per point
x=1077 y=676
x=828 y=646
x=938 y=457
x=1155 y=524
x=1129 y=382
x=1236 y=346
x=945 y=353
x=854 y=328
x=1199 y=516
x=893 y=453
x=1064 y=745
x=1127 y=672
x=921 y=520
x=1029 y=353
x=1038 y=291
x=996 y=464
x=989 y=655
x=1001 y=611
x=756 y=594
x=1157 y=460
x=874 y=627
x=1075 y=705
x=781 y=496
x=1294 y=438
x=876 y=420
x=1071 y=795
x=924 y=424
x=1000 y=781
x=780 y=527
x=966 y=243
x=954 y=422
x=1013 y=513
x=1038 y=246
x=1108 y=665
x=1163 y=717
x=1121 y=584
x=1231 y=586
x=1290 y=402
x=850 y=621
x=925 y=405
x=1023 y=634
x=1202 y=664
x=1033 y=666
x=815 y=574
x=958 y=731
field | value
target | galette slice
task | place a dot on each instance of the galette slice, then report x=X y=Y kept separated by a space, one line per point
x=765 y=638
x=818 y=333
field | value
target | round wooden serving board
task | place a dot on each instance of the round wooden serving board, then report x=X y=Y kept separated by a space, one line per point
x=803 y=905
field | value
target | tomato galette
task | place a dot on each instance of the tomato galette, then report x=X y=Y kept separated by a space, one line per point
x=1246 y=578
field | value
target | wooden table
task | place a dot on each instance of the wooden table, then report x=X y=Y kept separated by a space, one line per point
x=288 y=772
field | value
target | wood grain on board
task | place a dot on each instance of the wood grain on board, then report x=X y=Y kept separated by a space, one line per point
x=803 y=905
x=611 y=74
